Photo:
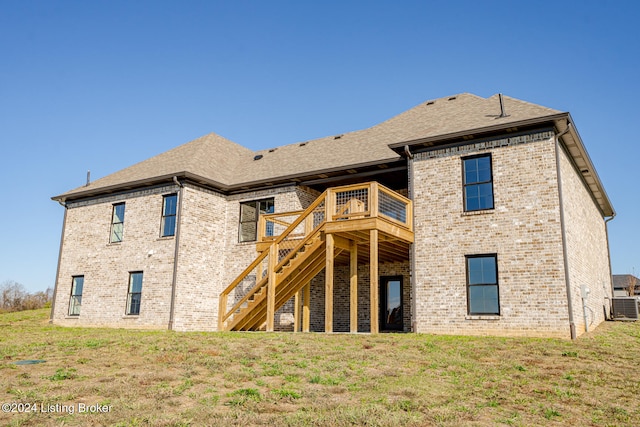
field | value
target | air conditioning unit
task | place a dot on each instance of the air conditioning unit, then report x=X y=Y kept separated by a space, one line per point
x=625 y=308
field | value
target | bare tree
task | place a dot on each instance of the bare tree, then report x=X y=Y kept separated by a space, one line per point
x=631 y=285
x=14 y=297
x=11 y=295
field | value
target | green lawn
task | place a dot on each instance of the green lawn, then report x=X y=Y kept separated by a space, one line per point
x=140 y=378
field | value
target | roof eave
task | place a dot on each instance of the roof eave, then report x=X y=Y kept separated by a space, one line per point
x=298 y=177
x=443 y=138
x=223 y=188
x=98 y=191
x=575 y=147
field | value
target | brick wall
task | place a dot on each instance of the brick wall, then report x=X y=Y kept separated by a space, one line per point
x=588 y=257
x=86 y=251
x=200 y=274
x=523 y=230
x=209 y=257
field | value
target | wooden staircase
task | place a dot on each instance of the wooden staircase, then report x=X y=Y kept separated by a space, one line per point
x=291 y=275
x=287 y=262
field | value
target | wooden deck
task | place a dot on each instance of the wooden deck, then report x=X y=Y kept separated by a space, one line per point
x=364 y=223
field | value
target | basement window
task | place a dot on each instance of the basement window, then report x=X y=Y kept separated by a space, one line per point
x=482 y=285
x=134 y=296
x=76 y=295
x=249 y=214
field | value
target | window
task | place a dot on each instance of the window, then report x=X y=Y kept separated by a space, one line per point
x=135 y=293
x=117 y=223
x=169 y=209
x=249 y=213
x=478 y=183
x=76 y=295
x=482 y=284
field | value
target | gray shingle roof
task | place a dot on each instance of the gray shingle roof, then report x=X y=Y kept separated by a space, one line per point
x=621 y=281
x=429 y=119
x=225 y=164
x=210 y=156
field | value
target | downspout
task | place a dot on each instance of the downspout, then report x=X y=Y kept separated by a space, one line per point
x=563 y=231
x=606 y=234
x=55 y=286
x=175 y=254
x=584 y=293
x=412 y=252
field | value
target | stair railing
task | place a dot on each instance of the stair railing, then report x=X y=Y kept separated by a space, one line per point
x=284 y=246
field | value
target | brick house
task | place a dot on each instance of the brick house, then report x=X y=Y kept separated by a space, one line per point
x=621 y=284
x=463 y=215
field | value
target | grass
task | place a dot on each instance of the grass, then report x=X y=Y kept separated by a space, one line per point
x=163 y=378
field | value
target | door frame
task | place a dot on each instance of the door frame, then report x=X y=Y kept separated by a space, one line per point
x=384 y=326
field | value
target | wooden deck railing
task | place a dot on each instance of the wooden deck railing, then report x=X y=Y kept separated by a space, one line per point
x=347 y=202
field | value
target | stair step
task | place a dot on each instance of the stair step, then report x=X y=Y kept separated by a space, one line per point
x=288 y=278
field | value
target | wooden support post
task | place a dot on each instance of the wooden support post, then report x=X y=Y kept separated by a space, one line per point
x=373 y=280
x=373 y=199
x=296 y=312
x=222 y=310
x=328 y=285
x=409 y=208
x=271 y=287
x=353 y=303
x=306 y=308
x=329 y=206
x=262 y=228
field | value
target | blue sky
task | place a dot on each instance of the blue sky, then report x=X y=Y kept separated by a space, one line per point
x=101 y=85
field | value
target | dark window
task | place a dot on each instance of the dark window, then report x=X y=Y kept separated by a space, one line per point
x=117 y=223
x=76 y=295
x=135 y=293
x=482 y=284
x=249 y=213
x=169 y=209
x=478 y=183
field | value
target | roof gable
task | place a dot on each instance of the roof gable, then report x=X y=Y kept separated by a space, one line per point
x=211 y=156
